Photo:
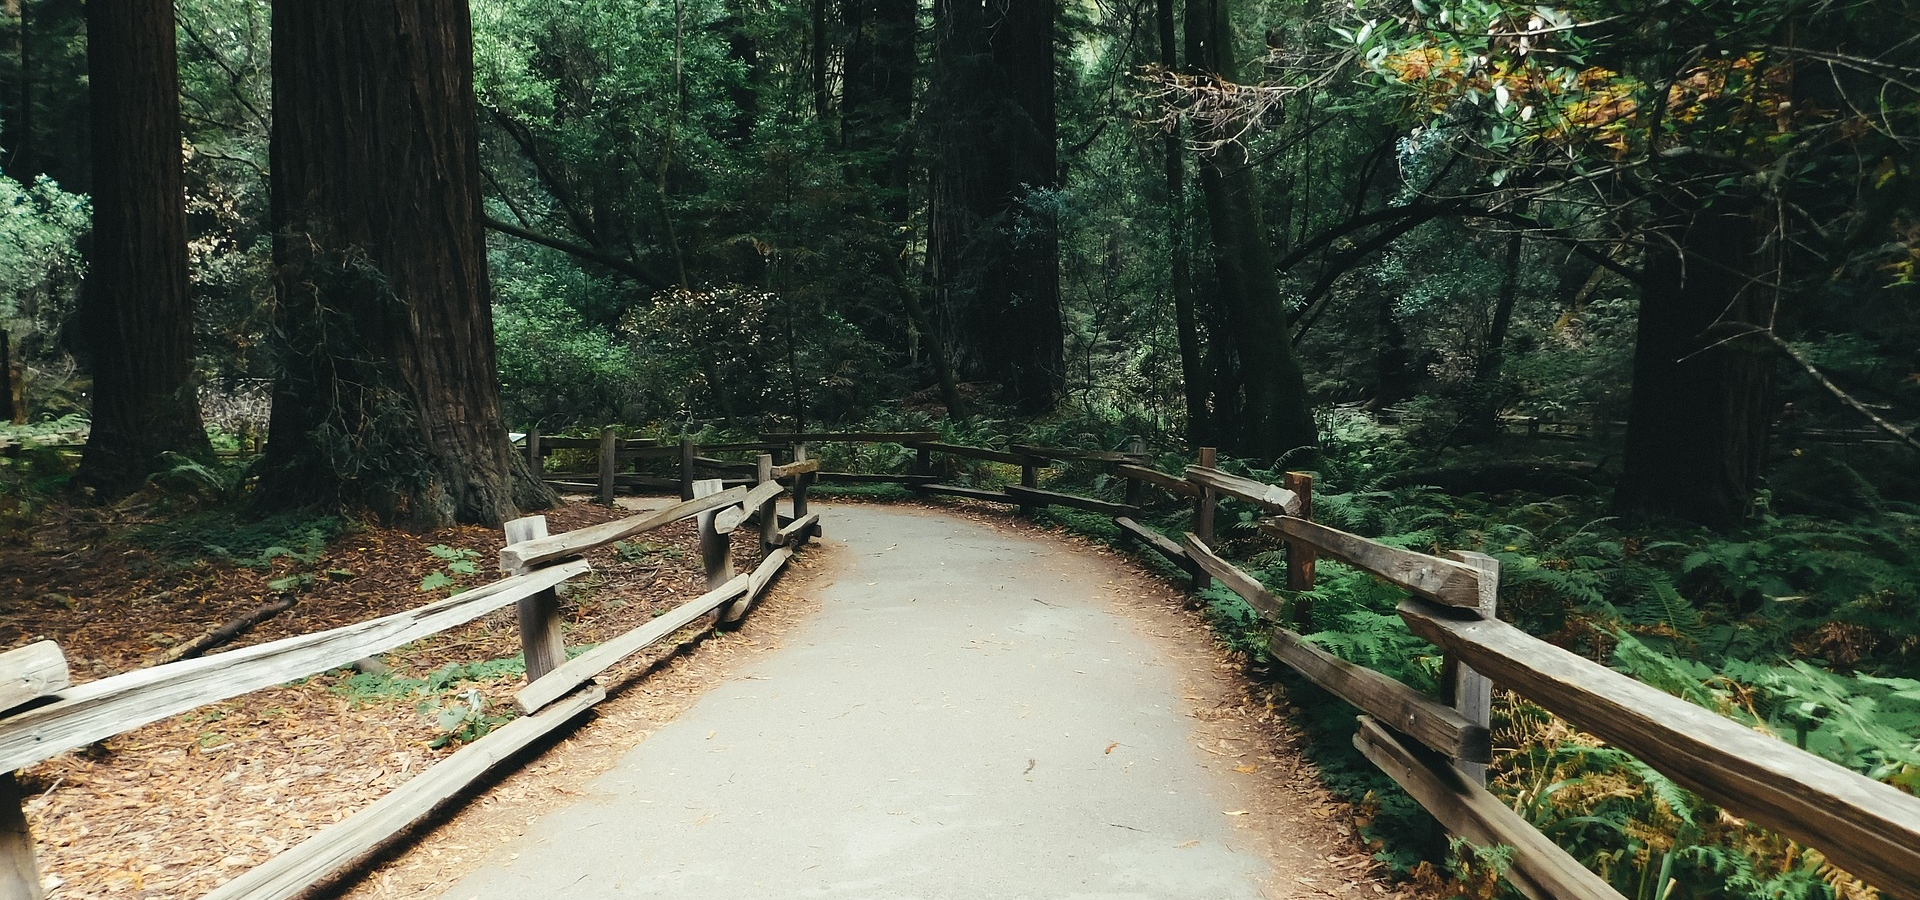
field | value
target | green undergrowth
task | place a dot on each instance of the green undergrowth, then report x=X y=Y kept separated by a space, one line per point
x=230 y=535
x=450 y=697
x=869 y=492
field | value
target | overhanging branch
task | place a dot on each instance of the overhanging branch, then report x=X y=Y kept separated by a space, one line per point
x=646 y=277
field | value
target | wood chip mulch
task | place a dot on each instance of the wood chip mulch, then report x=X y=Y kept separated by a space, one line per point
x=178 y=807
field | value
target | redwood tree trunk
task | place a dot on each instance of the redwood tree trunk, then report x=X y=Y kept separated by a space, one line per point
x=1697 y=422
x=1274 y=416
x=993 y=253
x=1195 y=379
x=877 y=104
x=138 y=315
x=389 y=399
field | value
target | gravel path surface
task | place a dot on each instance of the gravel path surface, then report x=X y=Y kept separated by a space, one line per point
x=970 y=714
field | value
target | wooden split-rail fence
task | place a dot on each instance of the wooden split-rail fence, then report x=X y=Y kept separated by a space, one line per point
x=42 y=714
x=1438 y=748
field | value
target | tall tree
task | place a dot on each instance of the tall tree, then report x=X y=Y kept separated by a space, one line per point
x=389 y=397
x=1195 y=379
x=1274 y=416
x=138 y=315
x=1701 y=406
x=993 y=252
x=876 y=105
x=43 y=92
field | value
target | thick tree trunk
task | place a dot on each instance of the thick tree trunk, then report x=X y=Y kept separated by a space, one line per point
x=993 y=253
x=1274 y=415
x=1394 y=377
x=876 y=113
x=1195 y=383
x=389 y=399
x=1697 y=422
x=876 y=108
x=139 y=317
x=1486 y=396
x=9 y=392
x=822 y=98
x=44 y=122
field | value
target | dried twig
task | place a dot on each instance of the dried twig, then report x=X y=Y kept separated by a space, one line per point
x=226 y=632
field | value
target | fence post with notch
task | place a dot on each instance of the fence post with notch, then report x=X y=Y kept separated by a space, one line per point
x=716 y=548
x=801 y=482
x=1472 y=691
x=609 y=456
x=1301 y=557
x=769 y=508
x=541 y=643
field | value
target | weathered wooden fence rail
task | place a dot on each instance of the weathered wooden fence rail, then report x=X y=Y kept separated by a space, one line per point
x=1438 y=748
x=41 y=716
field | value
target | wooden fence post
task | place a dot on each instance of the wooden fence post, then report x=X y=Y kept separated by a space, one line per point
x=1136 y=448
x=1209 y=501
x=1472 y=691
x=687 y=452
x=534 y=461
x=609 y=453
x=769 y=511
x=19 y=873
x=1301 y=557
x=541 y=643
x=1029 y=478
x=716 y=549
x=800 y=482
x=923 y=461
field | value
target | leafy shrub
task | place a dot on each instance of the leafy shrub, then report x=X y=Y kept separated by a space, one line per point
x=556 y=368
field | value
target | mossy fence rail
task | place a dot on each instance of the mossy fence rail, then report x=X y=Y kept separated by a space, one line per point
x=41 y=715
x=1436 y=748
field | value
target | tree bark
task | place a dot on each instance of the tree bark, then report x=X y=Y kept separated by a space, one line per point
x=822 y=98
x=9 y=392
x=876 y=117
x=993 y=252
x=1274 y=416
x=1701 y=406
x=876 y=107
x=1195 y=383
x=1394 y=377
x=138 y=314
x=44 y=127
x=1486 y=396
x=389 y=399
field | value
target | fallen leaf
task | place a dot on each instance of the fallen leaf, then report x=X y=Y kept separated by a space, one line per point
x=1234 y=812
x=1246 y=770
x=1111 y=746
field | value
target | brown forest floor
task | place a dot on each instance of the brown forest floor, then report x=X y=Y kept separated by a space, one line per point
x=175 y=808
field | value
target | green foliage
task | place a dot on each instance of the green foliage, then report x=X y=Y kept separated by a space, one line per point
x=41 y=227
x=744 y=351
x=645 y=551
x=201 y=482
x=36 y=474
x=457 y=563
x=555 y=367
x=227 y=535
x=460 y=713
x=1746 y=623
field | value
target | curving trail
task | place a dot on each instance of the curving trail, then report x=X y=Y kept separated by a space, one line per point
x=971 y=714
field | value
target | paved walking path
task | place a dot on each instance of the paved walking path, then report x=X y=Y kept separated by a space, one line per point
x=966 y=717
